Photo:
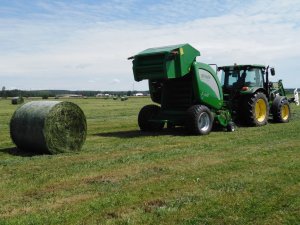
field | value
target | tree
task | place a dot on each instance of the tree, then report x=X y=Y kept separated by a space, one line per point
x=129 y=93
x=3 y=92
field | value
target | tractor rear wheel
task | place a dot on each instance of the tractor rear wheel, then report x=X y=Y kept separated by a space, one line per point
x=281 y=110
x=199 y=120
x=148 y=113
x=256 y=109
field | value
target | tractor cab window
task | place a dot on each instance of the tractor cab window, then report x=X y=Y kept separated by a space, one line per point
x=254 y=78
x=237 y=78
x=233 y=77
x=230 y=77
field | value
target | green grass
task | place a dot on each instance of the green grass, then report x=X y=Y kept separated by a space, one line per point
x=122 y=176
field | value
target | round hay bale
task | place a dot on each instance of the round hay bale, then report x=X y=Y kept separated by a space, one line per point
x=48 y=127
x=17 y=100
x=124 y=98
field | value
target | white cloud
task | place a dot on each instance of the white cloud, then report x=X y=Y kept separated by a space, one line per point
x=41 y=53
x=115 y=81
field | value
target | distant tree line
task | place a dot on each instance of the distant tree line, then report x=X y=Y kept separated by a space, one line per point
x=52 y=93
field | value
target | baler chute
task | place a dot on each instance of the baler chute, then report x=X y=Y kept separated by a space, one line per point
x=164 y=63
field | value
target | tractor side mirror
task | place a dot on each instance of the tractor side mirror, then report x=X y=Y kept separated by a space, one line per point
x=272 y=71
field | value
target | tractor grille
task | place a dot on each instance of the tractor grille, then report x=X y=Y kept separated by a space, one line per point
x=177 y=93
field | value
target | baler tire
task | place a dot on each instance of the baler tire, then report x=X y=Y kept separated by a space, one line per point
x=199 y=120
x=147 y=113
x=281 y=110
x=255 y=109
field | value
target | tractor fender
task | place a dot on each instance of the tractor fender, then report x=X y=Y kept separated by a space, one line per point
x=279 y=99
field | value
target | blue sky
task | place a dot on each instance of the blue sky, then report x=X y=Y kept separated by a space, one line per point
x=81 y=45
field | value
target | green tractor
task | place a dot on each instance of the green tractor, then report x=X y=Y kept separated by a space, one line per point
x=190 y=93
x=250 y=95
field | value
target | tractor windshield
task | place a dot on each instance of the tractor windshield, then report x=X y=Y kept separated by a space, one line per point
x=233 y=78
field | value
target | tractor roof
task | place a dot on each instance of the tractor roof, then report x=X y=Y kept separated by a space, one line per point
x=243 y=66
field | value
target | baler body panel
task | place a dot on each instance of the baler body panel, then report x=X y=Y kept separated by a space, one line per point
x=208 y=89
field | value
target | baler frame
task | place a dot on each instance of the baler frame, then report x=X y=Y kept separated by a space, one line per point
x=177 y=82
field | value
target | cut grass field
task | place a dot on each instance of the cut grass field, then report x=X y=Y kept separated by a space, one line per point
x=123 y=176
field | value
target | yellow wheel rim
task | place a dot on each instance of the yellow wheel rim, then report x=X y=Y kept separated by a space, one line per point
x=285 y=112
x=260 y=110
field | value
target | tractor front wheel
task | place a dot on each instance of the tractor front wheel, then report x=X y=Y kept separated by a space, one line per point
x=199 y=120
x=256 y=109
x=148 y=113
x=281 y=110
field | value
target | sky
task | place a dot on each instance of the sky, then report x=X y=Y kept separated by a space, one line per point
x=84 y=44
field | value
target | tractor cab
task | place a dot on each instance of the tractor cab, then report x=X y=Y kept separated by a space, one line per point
x=238 y=79
x=251 y=96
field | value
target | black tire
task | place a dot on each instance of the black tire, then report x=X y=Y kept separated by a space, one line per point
x=281 y=110
x=147 y=113
x=255 y=109
x=199 y=120
x=231 y=127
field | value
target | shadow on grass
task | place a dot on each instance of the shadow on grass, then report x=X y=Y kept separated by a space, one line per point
x=178 y=131
x=18 y=152
x=138 y=133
